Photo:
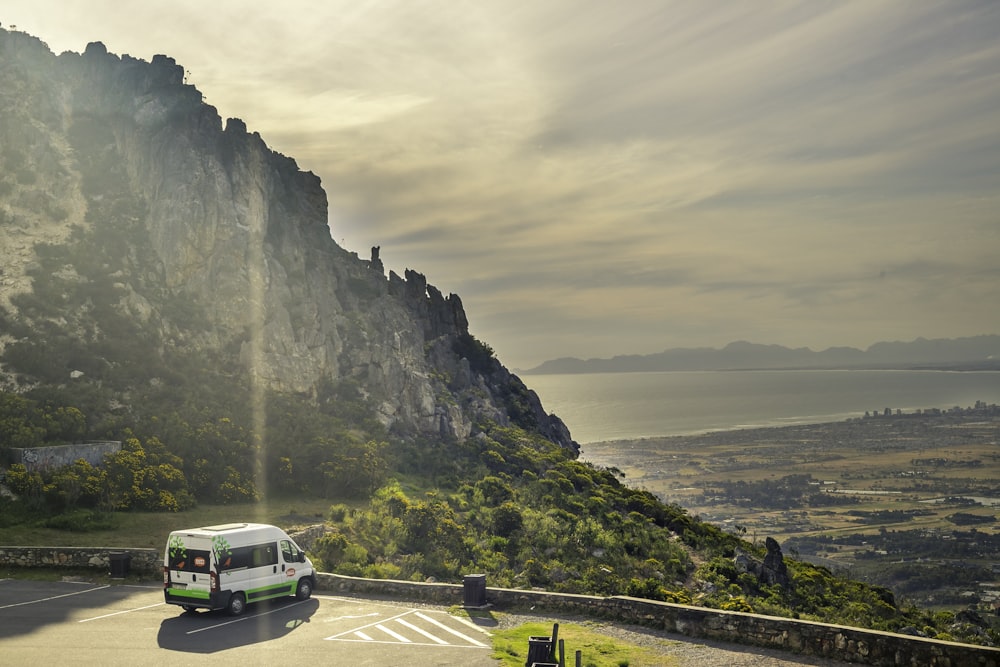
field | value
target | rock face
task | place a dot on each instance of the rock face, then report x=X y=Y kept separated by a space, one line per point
x=773 y=570
x=769 y=572
x=226 y=224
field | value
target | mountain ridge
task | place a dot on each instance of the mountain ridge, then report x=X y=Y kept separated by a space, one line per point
x=968 y=353
x=134 y=222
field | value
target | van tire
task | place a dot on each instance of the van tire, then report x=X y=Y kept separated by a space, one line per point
x=237 y=604
x=304 y=590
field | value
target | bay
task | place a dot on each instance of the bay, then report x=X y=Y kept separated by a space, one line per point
x=600 y=407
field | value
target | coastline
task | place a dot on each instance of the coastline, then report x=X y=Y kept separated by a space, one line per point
x=613 y=453
x=756 y=433
x=751 y=431
x=628 y=406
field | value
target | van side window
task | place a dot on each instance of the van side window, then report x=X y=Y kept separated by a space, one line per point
x=237 y=559
x=265 y=554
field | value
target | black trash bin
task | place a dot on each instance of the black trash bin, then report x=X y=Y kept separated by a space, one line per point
x=475 y=590
x=120 y=562
x=539 y=651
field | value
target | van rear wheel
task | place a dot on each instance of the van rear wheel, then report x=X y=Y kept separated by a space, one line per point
x=304 y=590
x=237 y=604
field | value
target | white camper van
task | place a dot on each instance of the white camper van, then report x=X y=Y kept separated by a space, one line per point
x=231 y=565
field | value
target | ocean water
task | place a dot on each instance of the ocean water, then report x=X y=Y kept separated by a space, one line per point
x=615 y=406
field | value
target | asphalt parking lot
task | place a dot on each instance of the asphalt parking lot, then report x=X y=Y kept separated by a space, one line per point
x=119 y=624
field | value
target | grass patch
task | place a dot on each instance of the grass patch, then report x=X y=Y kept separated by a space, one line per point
x=510 y=647
x=149 y=530
x=81 y=521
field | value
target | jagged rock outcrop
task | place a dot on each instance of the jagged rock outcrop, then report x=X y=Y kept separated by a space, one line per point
x=772 y=570
x=220 y=222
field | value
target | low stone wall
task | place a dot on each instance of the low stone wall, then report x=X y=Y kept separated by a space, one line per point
x=854 y=645
x=140 y=561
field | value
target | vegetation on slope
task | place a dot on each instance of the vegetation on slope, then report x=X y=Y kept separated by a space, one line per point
x=505 y=502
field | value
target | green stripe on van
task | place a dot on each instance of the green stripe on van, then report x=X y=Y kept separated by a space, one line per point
x=187 y=593
x=271 y=591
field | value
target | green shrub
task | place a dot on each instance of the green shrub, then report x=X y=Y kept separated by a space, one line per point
x=337 y=513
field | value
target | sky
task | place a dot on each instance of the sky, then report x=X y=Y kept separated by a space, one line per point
x=597 y=178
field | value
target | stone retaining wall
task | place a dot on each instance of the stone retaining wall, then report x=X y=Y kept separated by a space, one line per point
x=854 y=645
x=141 y=561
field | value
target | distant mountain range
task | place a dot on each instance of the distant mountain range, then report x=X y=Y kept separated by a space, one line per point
x=974 y=353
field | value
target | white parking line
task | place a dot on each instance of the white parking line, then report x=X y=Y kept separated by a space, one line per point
x=245 y=618
x=433 y=638
x=116 y=613
x=54 y=597
x=395 y=635
x=451 y=630
x=358 y=634
x=348 y=618
x=365 y=627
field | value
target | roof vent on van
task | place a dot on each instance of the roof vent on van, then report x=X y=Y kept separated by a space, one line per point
x=225 y=526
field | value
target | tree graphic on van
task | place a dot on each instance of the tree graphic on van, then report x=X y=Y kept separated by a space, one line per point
x=223 y=552
x=178 y=551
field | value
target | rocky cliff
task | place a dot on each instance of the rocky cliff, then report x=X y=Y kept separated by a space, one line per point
x=195 y=229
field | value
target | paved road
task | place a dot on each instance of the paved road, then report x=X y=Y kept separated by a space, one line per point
x=90 y=624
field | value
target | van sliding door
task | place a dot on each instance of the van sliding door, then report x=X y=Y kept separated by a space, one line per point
x=266 y=576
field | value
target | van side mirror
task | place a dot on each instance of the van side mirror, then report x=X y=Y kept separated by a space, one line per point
x=302 y=556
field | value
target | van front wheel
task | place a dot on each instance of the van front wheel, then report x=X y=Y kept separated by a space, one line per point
x=304 y=590
x=237 y=604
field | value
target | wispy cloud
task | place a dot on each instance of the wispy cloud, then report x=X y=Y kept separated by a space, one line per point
x=599 y=178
